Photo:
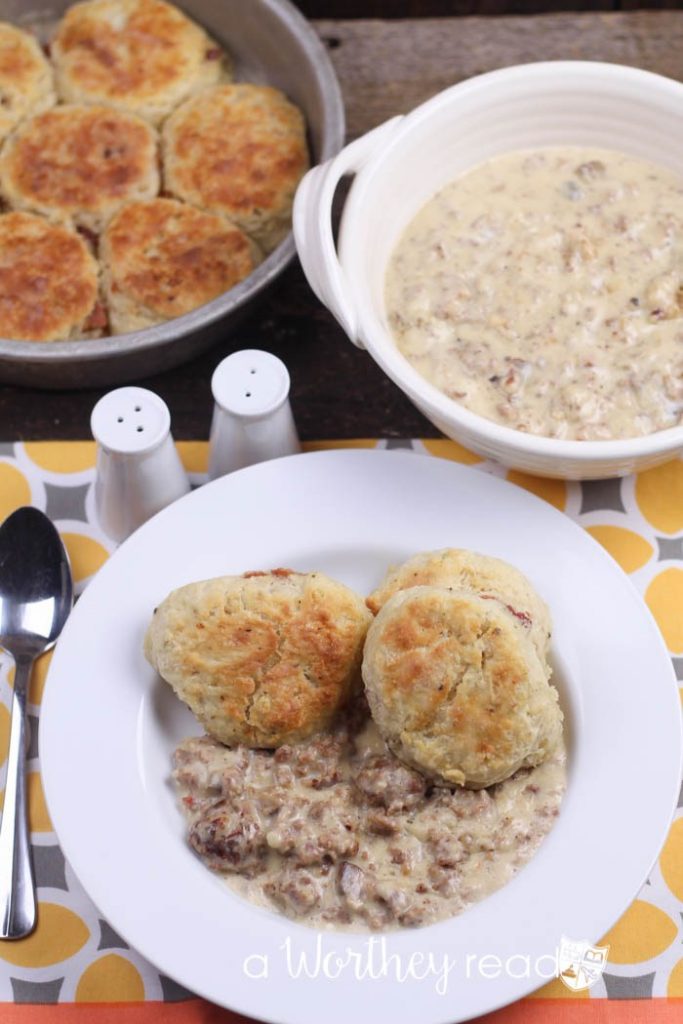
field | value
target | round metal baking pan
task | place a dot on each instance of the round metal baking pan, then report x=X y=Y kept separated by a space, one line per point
x=270 y=42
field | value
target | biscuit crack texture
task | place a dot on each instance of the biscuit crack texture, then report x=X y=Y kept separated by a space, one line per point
x=457 y=686
x=264 y=659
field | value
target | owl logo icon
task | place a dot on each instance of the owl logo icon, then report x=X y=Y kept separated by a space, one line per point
x=580 y=965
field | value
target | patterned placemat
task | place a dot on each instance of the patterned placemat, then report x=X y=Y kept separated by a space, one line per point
x=76 y=957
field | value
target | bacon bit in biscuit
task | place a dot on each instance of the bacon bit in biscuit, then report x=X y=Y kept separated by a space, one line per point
x=523 y=617
x=215 y=53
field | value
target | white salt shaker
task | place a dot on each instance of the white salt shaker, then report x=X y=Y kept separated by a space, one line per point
x=252 y=417
x=138 y=469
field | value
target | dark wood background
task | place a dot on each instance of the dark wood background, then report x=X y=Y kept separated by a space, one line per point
x=462 y=8
x=397 y=55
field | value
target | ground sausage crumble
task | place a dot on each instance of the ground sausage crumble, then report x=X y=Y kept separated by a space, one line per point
x=337 y=833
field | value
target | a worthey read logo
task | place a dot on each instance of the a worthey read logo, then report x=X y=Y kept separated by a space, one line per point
x=580 y=965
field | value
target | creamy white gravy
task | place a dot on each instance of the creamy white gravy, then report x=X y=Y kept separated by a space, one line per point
x=544 y=290
x=337 y=833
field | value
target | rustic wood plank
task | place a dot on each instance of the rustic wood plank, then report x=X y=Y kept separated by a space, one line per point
x=389 y=67
x=443 y=8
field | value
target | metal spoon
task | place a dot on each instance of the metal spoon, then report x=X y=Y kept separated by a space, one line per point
x=36 y=594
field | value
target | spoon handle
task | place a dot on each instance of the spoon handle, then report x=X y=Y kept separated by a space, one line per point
x=17 y=892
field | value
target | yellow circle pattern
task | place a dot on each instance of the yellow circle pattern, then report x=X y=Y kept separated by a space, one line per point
x=59 y=935
x=57 y=457
x=627 y=548
x=642 y=933
x=552 y=491
x=14 y=490
x=675 y=987
x=85 y=555
x=110 y=979
x=671 y=859
x=451 y=450
x=194 y=455
x=659 y=493
x=665 y=599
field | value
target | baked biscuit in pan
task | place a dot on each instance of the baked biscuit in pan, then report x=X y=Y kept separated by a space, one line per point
x=26 y=78
x=239 y=150
x=49 y=286
x=145 y=56
x=79 y=164
x=162 y=258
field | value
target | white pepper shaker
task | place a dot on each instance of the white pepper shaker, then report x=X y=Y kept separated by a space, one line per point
x=138 y=468
x=252 y=417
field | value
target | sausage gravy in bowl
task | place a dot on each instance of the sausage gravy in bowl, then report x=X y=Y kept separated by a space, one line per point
x=543 y=290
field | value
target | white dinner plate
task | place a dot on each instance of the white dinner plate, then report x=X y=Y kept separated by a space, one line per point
x=109 y=726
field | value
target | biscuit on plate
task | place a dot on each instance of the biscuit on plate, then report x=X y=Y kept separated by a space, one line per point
x=162 y=258
x=26 y=79
x=480 y=574
x=261 y=659
x=48 y=281
x=456 y=689
x=79 y=164
x=239 y=150
x=140 y=55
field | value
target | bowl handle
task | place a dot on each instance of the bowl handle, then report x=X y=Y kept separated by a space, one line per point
x=312 y=223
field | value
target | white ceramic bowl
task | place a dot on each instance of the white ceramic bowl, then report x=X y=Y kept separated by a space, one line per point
x=401 y=164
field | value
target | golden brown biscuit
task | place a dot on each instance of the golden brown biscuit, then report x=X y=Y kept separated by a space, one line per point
x=479 y=574
x=239 y=150
x=456 y=689
x=48 y=281
x=79 y=164
x=261 y=659
x=162 y=258
x=140 y=55
x=26 y=80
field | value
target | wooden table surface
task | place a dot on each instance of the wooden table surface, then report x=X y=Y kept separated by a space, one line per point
x=385 y=67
